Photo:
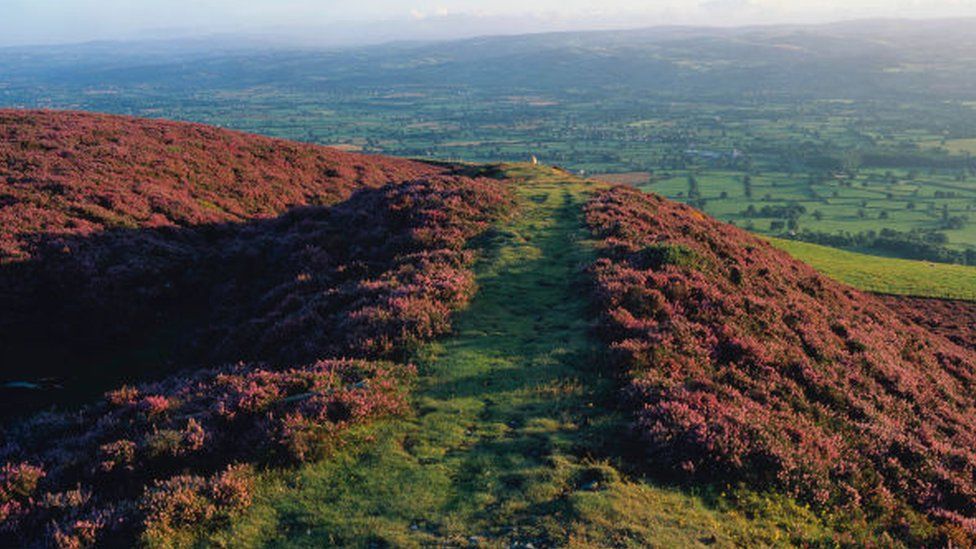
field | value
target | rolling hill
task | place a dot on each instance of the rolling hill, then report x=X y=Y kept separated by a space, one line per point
x=356 y=350
x=72 y=173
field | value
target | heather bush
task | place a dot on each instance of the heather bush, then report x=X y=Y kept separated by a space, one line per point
x=106 y=453
x=87 y=173
x=743 y=364
x=367 y=278
x=308 y=307
x=186 y=504
x=953 y=319
x=105 y=244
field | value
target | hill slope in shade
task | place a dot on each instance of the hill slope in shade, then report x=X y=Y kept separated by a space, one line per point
x=79 y=173
x=746 y=364
x=372 y=277
x=130 y=246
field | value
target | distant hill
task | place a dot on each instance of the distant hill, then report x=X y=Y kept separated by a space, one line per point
x=867 y=59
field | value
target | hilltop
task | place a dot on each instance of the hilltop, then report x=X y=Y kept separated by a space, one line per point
x=296 y=345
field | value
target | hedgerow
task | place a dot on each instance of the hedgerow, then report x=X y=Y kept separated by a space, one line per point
x=745 y=365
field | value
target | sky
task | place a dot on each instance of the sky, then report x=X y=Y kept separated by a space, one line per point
x=339 y=22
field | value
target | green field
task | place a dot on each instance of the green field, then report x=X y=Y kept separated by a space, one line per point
x=886 y=275
x=515 y=438
x=870 y=200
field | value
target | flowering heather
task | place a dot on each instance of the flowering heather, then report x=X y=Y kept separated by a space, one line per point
x=368 y=278
x=73 y=173
x=744 y=364
x=305 y=303
x=952 y=319
x=115 y=465
x=269 y=250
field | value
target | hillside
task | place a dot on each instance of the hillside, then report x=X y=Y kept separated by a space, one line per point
x=744 y=364
x=71 y=173
x=307 y=322
x=855 y=135
x=953 y=319
x=366 y=351
x=144 y=246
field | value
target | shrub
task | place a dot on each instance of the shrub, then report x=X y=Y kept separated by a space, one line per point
x=194 y=503
x=242 y=414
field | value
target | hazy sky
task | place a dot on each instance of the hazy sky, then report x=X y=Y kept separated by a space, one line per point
x=338 y=21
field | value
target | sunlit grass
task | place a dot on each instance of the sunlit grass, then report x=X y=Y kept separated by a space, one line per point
x=886 y=275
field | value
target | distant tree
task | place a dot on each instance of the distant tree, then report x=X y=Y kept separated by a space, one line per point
x=776 y=225
x=724 y=195
x=747 y=185
x=861 y=214
x=693 y=191
x=883 y=214
x=818 y=215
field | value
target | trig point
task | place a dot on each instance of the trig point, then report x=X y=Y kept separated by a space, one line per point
x=535 y=161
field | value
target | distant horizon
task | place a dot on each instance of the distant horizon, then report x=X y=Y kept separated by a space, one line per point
x=304 y=36
x=322 y=22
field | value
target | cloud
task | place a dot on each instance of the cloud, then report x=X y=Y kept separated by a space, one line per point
x=438 y=12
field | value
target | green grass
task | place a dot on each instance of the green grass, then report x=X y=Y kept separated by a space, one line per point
x=515 y=437
x=886 y=275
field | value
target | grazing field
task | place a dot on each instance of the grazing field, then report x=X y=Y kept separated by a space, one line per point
x=626 y=178
x=886 y=275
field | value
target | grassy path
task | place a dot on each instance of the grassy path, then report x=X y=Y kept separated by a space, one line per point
x=513 y=439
